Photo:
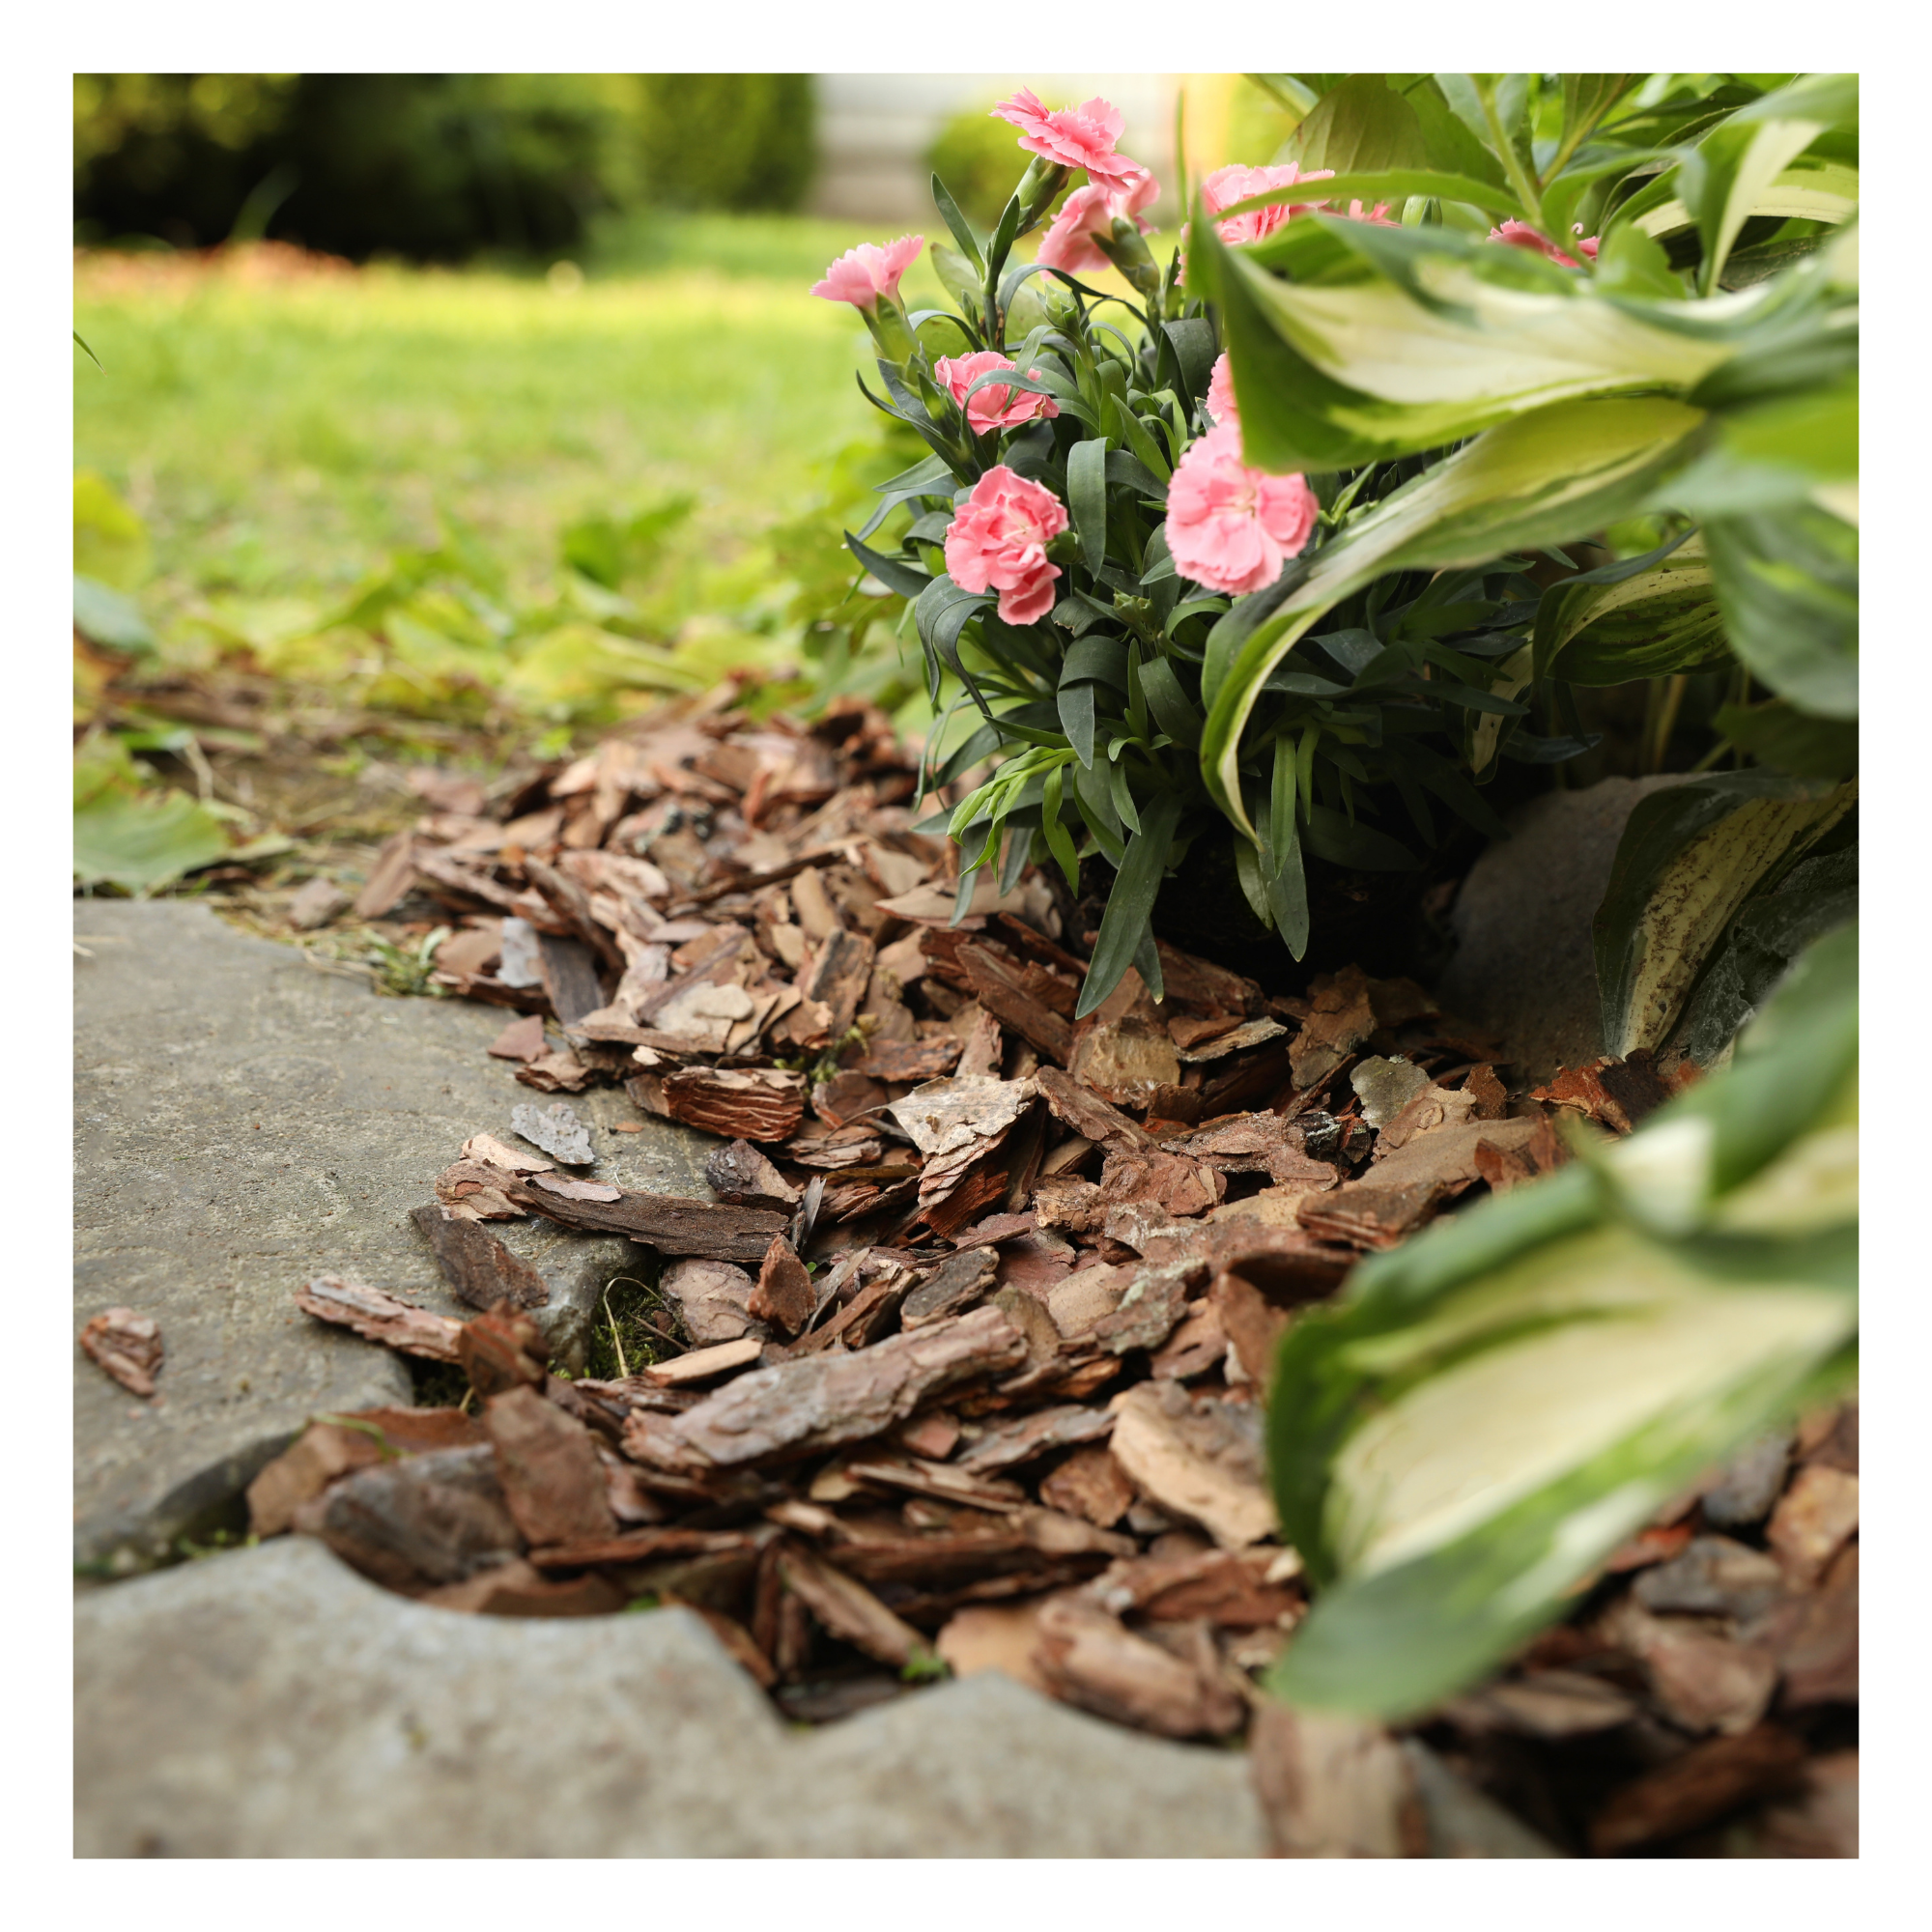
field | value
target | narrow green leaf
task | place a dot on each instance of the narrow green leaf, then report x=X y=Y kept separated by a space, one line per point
x=1058 y=840
x=1087 y=499
x=889 y=571
x=1125 y=923
x=962 y=229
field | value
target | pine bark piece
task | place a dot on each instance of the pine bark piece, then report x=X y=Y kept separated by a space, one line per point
x=1615 y=1094
x=1091 y=1484
x=848 y=1609
x=1333 y=1786
x=670 y=1223
x=333 y=1446
x=742 y=1177
x=1252 y=1324
x=824 y=1402
x=1229 y=1588
x=522 y=1040
x=1083 y=1110
x=959 y=1282
x=1094 y=1660
x=1200 y=1460
x=759 y=1104
x=1696 y=1789
x=555 y=1129
x=487 y=1151
x=552 y=1481
x=713 y=1299
x=500 y=1351
x=943 y=1482
x=1404 y=1190
x=784 y=1295
x=128 y=1345
x=705 y=1365
x=412 y=1524
x=445 y=874
x=379 y=1318
x=389 y=877
x=921 y=1059
x=479 y=1267
x=838 y=974
x=570 y=980
x=565 y=1188
x=1147 y=1313
x=473 y=1191
x=994 y=1636
x=1001 y=991
x=1007 y=1445
x=650 y=1545
x=1125 y=1059
x=1812 y=1521
x=572 y=903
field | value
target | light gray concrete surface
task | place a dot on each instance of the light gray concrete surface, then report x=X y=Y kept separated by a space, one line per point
x=244 y=1121
x=271 y=1703
x=1524 y=965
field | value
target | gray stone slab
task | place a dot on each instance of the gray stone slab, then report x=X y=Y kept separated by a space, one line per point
x=242 y=1122
x=271 y=1703
x=1524 y=966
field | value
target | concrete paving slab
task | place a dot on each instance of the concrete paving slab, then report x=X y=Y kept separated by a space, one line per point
x=242 y=1122
x=271 y=1703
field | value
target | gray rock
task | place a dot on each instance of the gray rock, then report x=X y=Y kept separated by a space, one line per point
x=1524 y=966
x=271 y=1703
x=1750 y=1483
x=242 y=1122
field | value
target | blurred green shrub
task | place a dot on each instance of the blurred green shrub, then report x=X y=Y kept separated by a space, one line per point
x=974 y=155
x=435 y=167
x=739 y=141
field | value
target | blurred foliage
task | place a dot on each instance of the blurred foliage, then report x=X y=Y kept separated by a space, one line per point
x=736 y=141
x=973 y=152
x=435 y=167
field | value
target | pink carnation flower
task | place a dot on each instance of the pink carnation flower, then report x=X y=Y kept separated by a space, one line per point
x=1227 y=185
x=1221 y=393
x=996 y=406
x=1230 y=527
x=1379 y=214
x=1070 y=244
x=1520 y=235
x=862 y=274
x=1074 y=137
x=998 y=542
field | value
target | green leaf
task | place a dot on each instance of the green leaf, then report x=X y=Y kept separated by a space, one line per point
x=91 y=355
x=1331 y=836
x=889 y=571
x=1539 y=480
x=1779 y=735
x=1787 y=583
x=1126 y=922
x=1057 y=840
x=1688 y=858
x=109 y=618
x=1174 y=710
x=962 y=233
x=1075 y=702
x=1195 y=350
x=1646 y=618
x=1491 y=1407
x=1087 y=499
x=1286 y=883
x=1360 y=125
x=141 y=841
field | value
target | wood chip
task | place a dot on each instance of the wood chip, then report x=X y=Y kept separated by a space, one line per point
x=764 y=1104
x=477 y=1266
x=556 y=1130
x=1090 y=1658
x=670 y=1223
x=565 y=1188
x=849 y=1610
x=956 y=1285
x=552 y=1481
x=784 y=1295
x=1696 y=1789
x=740 y=1175
x=128 y=1345
x=379 y=1317
x=1090 y=1484
x=705 y=1365
x=712 y=1301
x=1199 y=1460
x=489 y=1152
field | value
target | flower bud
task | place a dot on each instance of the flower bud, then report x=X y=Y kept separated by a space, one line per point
x=1038 y=188
x=1126 y=248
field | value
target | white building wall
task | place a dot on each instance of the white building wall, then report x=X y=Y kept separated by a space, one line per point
x=874 y=129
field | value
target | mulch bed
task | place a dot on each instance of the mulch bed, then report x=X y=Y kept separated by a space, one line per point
x=962 y=1365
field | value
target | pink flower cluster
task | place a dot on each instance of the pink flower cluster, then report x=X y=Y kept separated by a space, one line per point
x=1227 y=185
x=861 y=275
x=997 y=405
x=998 y=542
x=1072 y=138
x=1520 y=235
x=1069 y=243
x=1230 y=527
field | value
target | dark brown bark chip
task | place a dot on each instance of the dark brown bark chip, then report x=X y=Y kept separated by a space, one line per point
x=552 y=1481
x=1708 y=1780
x=502 y=1349
x=956 y=1285
x=784 y=1295
x=424 y=1520
x=476 y=1264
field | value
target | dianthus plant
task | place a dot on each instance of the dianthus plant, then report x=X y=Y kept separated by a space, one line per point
x=1083 y=525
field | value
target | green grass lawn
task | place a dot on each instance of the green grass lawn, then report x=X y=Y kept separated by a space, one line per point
x=280 y=438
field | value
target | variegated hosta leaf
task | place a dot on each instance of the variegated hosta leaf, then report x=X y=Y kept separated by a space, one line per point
x=1648 y=624
x=1690 y=857
x=1809 y=191
x=1498 y=1404
x=1545 y=478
